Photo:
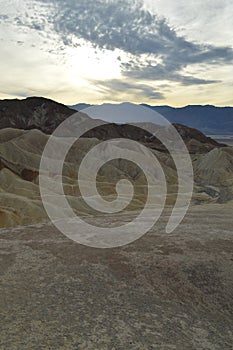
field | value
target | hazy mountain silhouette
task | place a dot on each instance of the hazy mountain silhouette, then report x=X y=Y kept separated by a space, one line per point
x=209 y=119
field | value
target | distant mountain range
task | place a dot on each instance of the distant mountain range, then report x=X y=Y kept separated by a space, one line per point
x=209 y=119
x=37 y=112
x=45 y=115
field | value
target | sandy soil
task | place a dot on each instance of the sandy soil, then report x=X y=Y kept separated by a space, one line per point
x=161 y=292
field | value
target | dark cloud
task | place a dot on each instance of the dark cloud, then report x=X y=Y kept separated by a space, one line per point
x=4 y=18
x=126 y=25
x=124 y=88
x=161 y=72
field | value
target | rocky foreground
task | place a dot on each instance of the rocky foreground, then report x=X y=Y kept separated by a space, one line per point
x=161 y=292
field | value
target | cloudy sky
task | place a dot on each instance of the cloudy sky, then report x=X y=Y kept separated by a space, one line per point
x=174 y=52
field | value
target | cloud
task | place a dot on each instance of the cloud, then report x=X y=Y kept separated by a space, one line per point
x=120 y=88
x=147 y=50
x=151 y=72
x=127 y=26
x=204 y=21
x=4 y=18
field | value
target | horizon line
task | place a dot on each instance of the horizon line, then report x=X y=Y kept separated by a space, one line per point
x=115 y=103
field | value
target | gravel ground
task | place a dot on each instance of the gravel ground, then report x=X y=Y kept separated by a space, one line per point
x=161 y=292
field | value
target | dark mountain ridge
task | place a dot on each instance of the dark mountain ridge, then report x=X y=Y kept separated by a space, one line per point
x=33 y=113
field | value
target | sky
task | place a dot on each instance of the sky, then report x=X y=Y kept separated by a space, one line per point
x=160 y=52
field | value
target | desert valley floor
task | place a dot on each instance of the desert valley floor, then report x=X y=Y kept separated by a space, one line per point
x=160 y=292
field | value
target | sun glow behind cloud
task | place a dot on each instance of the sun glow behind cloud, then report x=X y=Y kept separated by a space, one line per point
x=89 y=63
x=97 y=51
